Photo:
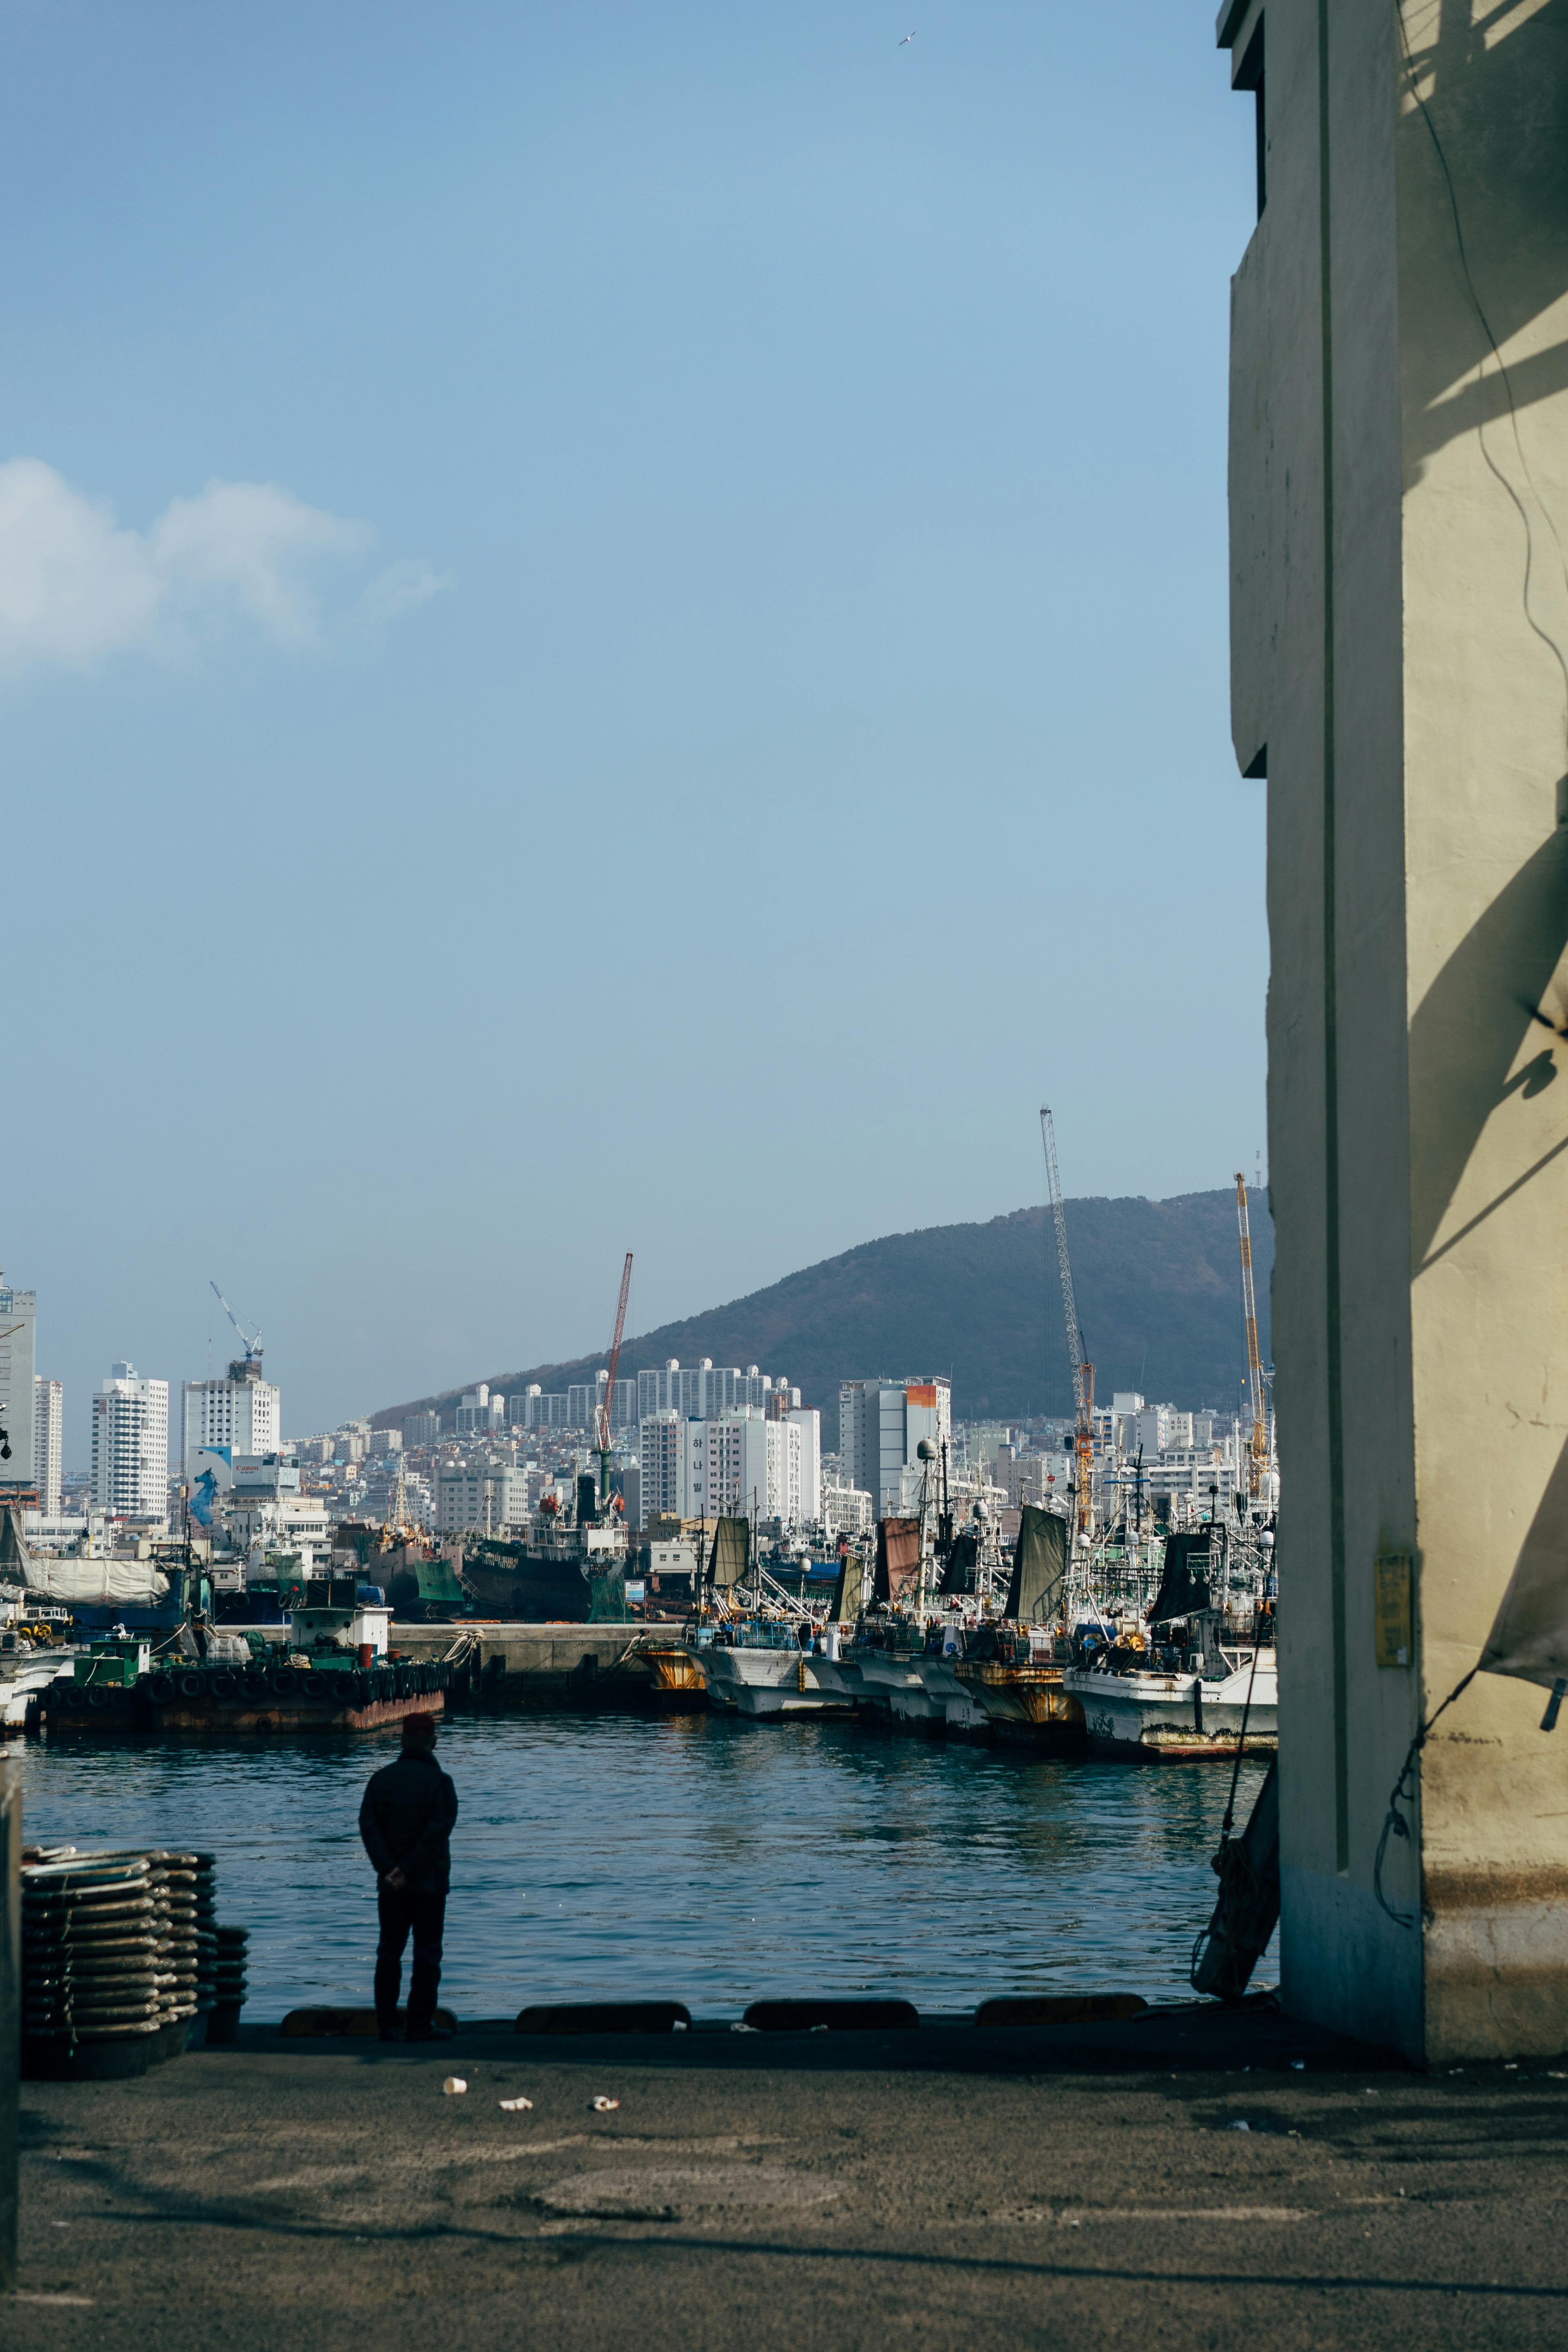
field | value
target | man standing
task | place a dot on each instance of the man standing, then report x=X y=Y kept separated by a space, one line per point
x=406 y=1822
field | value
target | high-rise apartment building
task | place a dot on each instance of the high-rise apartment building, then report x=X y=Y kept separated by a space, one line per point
x=880 y=1425
x=242 y=1412
x=479 y=1411
x=659 y=1455
x=735 y=1464
x=48 y=1427
x=478 y=1498
x=699 y=1391
x=131 y=1446
x=18 y=1316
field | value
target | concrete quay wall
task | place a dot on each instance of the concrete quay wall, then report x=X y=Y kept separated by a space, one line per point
x=540 y=1665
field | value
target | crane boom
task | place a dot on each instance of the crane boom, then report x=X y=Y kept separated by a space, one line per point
x=1082 y=1370
x=606 y=1410
x=1259 y=1448
x=249 y=1340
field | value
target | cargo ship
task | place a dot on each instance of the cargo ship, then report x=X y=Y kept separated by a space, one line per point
x=564 y=1570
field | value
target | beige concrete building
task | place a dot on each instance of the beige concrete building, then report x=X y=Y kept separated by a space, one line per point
x=1399 y=545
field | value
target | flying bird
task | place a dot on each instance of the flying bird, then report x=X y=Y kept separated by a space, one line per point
x=905 y=42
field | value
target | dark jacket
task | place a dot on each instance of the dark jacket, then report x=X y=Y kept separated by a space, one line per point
x=407 y=1820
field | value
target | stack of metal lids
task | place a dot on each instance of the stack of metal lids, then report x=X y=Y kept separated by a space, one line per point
x=110 y=1944
x=91 y=1929
x=231 y=1983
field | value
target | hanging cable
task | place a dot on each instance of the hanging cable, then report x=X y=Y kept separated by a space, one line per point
x=1404 y=1793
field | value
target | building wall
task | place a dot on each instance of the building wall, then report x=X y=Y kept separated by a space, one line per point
x=18 y=1324
x=1400 y=650
x=488 y=1500
x=659 y=1455
x=130 y=1445
x=48 y=1441
x=245 y=1415
x=880 y=1425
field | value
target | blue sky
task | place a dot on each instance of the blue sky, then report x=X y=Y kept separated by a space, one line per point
x=612 y=635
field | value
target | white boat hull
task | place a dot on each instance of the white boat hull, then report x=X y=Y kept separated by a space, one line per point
x=1179 y=1718
x=919 y=1691
x=21 y=1681
x=776 y=1682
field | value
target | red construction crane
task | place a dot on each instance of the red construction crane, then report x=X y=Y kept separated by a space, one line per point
x=606 y=1409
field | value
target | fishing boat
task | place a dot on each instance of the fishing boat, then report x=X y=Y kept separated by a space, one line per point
x=333 y=1675
x=1136 y=1713
x=1176 y=1688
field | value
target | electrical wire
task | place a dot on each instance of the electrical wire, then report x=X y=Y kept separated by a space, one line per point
x=1404 y=1793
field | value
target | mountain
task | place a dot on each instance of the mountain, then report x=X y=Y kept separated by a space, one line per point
x=1158 y=1286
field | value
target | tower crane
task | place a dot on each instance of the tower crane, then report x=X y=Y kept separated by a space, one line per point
x=249 y=1340
x=1082 y=1370
x=1259 y=1445
x=606 y=1410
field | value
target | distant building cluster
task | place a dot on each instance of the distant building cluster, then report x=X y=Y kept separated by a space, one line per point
x=688 y=1444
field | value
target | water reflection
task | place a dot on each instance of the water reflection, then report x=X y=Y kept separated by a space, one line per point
x=692 y=1856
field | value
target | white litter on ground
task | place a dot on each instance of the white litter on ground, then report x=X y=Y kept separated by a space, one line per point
x=453 y=2085
x=515 y=2106
x=602 y=2106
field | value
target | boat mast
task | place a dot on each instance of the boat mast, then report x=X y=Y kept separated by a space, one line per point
x=1082 y=1370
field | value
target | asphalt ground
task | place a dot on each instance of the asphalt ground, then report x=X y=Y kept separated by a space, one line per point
x=942 y=2188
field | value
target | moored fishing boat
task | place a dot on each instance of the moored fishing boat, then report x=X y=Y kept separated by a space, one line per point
x=1145 y=1713
x=334 y=1674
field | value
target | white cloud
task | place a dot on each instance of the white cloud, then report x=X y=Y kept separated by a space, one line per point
x=74 y=587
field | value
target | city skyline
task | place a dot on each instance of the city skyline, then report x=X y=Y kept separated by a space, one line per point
x=551 y=498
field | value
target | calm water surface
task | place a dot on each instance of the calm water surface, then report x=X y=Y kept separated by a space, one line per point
x=691 y=1856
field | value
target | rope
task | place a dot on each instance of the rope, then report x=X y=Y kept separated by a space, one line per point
x=1236 y=1769
x=1404 y=1793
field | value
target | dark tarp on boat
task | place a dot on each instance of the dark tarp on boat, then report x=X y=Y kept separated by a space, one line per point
x=732 y=1554
x=962 y=1559
x=898 y=1559
x=849 y=1592
x=1039 y=1564
x=1183 y=1583
x=1529 y=1636
x=16 y=1560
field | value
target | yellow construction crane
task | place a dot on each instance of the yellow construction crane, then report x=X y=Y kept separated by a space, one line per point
x=1082 y=1370
x=1259 y=1446
x=607 y=1411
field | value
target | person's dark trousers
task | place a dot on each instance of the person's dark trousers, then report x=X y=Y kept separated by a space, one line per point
x=401 y=1908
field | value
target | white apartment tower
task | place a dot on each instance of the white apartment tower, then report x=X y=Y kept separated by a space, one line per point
x=18 y=1315
x=49 y=1425
x=659 y=1455
x=242 y=1412
x=131 y=1446
x=748 y=1461
x=880 y=1425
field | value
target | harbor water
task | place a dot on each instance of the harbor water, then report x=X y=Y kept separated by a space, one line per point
x=691 y=1857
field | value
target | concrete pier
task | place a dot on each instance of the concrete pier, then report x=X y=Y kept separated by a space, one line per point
x=541 y=1665
x=940 y=2189
x=1399 y=664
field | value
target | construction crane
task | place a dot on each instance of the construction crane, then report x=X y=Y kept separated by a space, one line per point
x=1082 y=1370
x=249 y=1340
x=1259 y=1448
x=607 y=1407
